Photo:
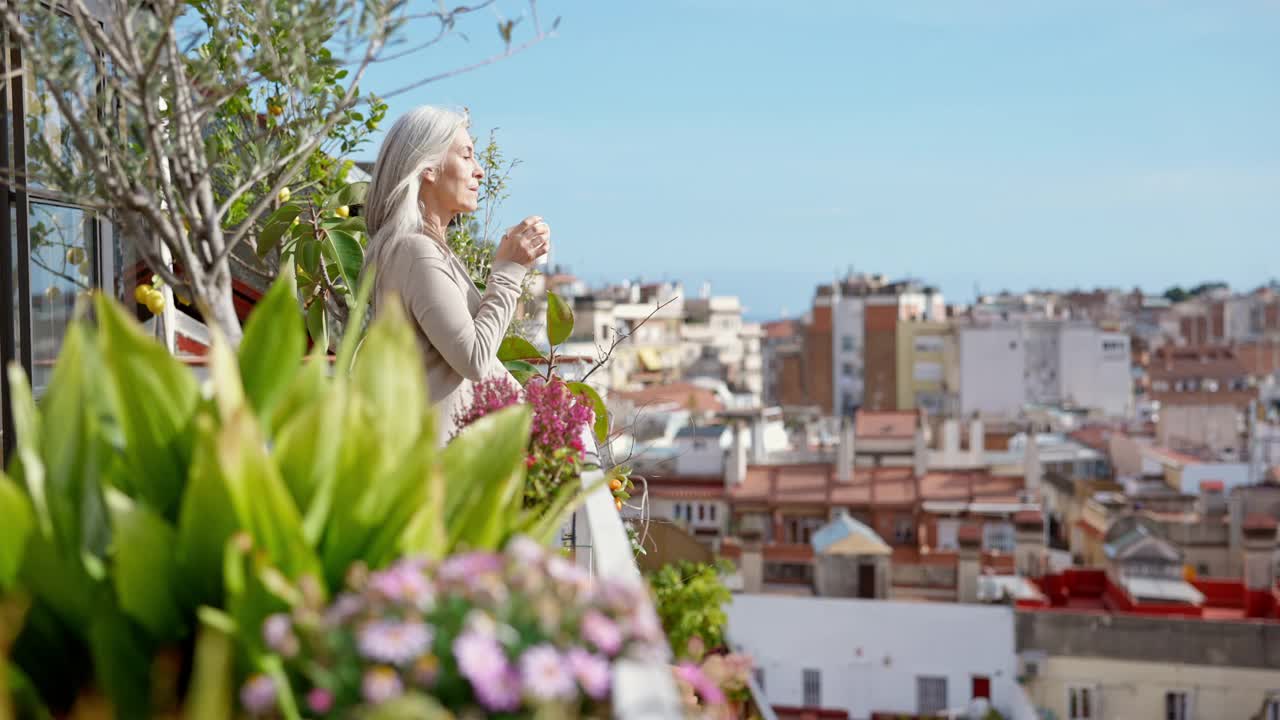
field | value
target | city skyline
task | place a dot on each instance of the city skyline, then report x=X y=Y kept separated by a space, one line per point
x=1001 y=144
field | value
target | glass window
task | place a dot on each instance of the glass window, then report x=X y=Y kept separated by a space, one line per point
x=1081 y=703
x=812 y=688
x=45 y=127
x=931 y=695
x=846 y=343
x=1176 y=706
x=998 y=536
x=63 y=268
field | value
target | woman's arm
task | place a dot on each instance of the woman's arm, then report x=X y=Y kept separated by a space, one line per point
x=468 y=344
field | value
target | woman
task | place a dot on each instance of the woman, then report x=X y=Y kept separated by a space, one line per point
x=427 y=175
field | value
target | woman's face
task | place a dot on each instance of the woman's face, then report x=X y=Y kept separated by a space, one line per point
x=454 y=187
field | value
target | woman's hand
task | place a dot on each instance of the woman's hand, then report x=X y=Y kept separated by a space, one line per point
x=525 y=242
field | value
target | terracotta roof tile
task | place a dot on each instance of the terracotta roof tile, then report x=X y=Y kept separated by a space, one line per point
x=681 y=394
x=1028 y=518
x=969 y=534
x=1259 y=522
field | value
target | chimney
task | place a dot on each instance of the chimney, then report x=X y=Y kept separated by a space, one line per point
x=735 y=470
x=1031 y=468
x=920 y=454
x=969 y=565
x=1029 y=545
x=757 y=440
x=845 y=453
x=1259 y=573
x=950 y=438
x=977 y=439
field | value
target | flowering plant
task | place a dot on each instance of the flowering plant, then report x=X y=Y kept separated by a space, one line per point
x=517 y=633
x=556 y=451
x=713 y=685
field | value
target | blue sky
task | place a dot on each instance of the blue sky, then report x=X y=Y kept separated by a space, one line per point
x=766 y=146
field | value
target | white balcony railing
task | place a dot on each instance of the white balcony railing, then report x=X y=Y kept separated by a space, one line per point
x=641 y=690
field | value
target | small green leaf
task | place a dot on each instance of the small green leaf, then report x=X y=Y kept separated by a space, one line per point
x=352 y=194
x=559 y=319
x=318 y=324
x=275 y=227
x=514 y=347
x=601 y=425
x=520 y=370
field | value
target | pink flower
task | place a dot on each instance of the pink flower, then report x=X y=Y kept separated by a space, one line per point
x=397 y=643
x=526 y=551
x=591 y=670
x=545 y=674
x=402 y=582
x=706 y=689
x=467 y=566
x=380 y=684
x=258 y=695
x=499 y=692
x=319 y=700
x=602 y=632
x=488 y=395
x=277 y=634
x=479 y=656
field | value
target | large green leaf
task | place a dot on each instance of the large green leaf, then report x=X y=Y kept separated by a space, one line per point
x=484 y=469
x=388 y=374
x=559 y=319
x=155 y=397
x=520 y=370
x=514 y=347
x=72 y=447
x=309 y=382
x=122 y=659
x=27 y=463
x=205 y=522
x=601 y=425
x=342 y=248
x=212 y=685
x=145 y=568
x=15 y=508
x=273 y=345
x=306 y=451
x=259 y=496
x=353 y=332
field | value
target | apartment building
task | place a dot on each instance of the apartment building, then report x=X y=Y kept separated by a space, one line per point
x=1204 y=395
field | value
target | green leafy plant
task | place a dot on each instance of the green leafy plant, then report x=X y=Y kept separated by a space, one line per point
x=146 y=518
x=690 y=599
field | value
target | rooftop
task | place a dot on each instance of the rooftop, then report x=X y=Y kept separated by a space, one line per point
x=886 y=424
x=681 y=394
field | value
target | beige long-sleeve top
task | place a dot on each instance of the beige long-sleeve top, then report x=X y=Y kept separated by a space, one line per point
x=459 y=330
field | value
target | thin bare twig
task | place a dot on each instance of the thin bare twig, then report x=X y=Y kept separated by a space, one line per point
x=620 y=338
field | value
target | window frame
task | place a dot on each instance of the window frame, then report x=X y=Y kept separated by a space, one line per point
x=1091 y=694
x=811 y=687
x=1172 y=712
x=933 y=683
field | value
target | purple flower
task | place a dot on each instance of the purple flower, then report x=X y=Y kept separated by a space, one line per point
x=546 y=675
x=591 y=670
x=380 y=684
x=277 y=634
x=402 y=582
x=488 y=395
x=644 y=625
x=345 y=607
x=701 y=684
x=499 y=692
x=397 y=643
x=525 y=551
x=319 y=700
x=563 y=571
x=465 y=566
x=602 y=632
x=258 y=695
x=479 y=656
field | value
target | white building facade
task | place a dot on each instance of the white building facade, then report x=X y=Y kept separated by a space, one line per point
x=878 y=656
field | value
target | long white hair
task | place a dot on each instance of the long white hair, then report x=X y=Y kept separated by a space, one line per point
x=417 y=141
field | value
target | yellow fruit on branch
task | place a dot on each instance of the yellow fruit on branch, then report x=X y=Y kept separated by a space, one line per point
x=142 y=293
x=618 y=503
x=343 y=212
x=155 y=302
x=75 y=256
x=615 y=484
x=276 y=109
x=284 y=195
